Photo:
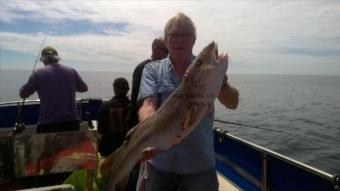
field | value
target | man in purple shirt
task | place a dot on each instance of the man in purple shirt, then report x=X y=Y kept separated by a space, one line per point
x=56 y=85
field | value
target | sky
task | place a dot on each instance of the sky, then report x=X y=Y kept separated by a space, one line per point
x=261 y=37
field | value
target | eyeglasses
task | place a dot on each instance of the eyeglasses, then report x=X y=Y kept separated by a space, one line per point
x=180 y=35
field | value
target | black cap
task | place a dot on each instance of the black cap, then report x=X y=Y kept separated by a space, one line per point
x=121 y=83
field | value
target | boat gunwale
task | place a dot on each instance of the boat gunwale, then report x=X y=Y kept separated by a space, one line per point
x=271 y=153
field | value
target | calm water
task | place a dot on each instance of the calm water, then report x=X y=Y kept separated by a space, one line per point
x=305 y=109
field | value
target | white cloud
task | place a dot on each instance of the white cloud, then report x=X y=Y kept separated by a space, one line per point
x=253 y=32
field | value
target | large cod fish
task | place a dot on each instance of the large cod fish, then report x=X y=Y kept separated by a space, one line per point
x=175 y=119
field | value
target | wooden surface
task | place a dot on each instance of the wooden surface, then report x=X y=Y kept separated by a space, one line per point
x=225 y=184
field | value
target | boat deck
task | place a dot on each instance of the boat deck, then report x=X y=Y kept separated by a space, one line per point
x=225 y=184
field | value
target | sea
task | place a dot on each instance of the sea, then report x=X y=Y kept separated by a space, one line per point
x=294 y=115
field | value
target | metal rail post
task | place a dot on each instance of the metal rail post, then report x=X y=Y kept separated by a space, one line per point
x=264 y=171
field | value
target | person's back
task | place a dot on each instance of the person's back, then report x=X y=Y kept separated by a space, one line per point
x=56 y=85
x=112 y=119
x=56 y=89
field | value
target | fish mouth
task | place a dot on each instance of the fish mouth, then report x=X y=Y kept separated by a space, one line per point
x=214 y=50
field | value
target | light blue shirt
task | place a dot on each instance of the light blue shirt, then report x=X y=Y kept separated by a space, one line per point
x=196 y=151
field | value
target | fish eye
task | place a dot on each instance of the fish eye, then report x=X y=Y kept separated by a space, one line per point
x=199 y=62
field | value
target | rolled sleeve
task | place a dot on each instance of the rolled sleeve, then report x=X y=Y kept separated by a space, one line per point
x=148 y=85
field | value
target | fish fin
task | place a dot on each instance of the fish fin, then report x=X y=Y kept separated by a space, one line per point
x=189 y=120
x=128 y=135
x=191 y=117
x=105 y=167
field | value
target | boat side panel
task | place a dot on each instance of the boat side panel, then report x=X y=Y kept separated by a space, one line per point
x=89 y=110
x=8 y=115
x=239 y=163
x=237 y=159
x=284 y=176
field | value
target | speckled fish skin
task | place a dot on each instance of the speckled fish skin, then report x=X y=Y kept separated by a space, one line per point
x=176 y=118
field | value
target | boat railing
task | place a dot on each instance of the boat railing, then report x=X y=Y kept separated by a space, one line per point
x=265 y=164
x=9 y=111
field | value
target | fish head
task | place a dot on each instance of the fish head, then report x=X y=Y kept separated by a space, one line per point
x=205 y=75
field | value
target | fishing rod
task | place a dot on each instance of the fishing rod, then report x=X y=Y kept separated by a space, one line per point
x=246 y=125
x=19 y=126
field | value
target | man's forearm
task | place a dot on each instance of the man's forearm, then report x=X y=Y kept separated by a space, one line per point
x=24 y=93
x=148 y=108
x=145 y=112
x=82 y=87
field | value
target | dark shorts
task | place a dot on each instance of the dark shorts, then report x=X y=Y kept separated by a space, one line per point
x=58 y=127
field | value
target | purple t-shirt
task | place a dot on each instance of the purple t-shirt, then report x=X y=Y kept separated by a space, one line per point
x=56 y=85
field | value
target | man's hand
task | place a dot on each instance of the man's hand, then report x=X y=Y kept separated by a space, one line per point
x=228 y=96
x=149 y=153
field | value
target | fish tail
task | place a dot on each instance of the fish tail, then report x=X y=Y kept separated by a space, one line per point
x=105 y=167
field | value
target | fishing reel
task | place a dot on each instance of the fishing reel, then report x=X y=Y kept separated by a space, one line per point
x=18 y=128
x=336 y=182
x=88 y=119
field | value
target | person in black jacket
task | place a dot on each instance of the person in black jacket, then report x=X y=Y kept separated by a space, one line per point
x=112 y=118
x=159 y=52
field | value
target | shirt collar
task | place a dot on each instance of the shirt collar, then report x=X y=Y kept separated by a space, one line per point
x=171 y=66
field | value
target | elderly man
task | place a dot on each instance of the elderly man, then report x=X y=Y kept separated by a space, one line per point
x=190 y=164
x=56 y=85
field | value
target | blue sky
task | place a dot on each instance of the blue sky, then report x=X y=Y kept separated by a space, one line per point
x=261 y=37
